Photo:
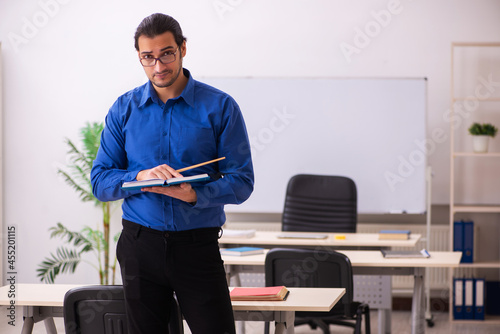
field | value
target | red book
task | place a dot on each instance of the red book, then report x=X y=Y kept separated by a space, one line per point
x=267 y=293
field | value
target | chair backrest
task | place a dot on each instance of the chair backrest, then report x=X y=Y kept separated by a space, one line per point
x=100 y=309
x=320 y=203
x=310 y=268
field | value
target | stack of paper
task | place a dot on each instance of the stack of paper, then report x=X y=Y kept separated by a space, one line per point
x=302 y=236
x=238 y=233
x=388 y=253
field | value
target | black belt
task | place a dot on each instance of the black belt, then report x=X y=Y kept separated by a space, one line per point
x=194 y=234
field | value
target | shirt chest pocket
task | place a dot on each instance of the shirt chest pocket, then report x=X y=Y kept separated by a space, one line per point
x=195 y=141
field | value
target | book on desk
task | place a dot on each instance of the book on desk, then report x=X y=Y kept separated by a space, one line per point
x=242 y=251
x=269 y=293
x=394 y=234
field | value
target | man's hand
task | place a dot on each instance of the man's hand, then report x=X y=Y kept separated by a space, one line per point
x=183 y=191
x=163 y=172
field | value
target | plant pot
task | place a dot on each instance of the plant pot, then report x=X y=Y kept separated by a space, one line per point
x=480 y=143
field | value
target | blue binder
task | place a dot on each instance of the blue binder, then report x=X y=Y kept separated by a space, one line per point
x=479 y=285
x=458 y=298
x=469 y=298
x=458 y=237
x=468 y=235
x=492 y=298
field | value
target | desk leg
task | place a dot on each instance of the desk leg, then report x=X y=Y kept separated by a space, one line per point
x=228 y=273
x=34 y=314
x=417 y=308
x=28 y=319
x=50 y=326
x=384 y=321
x=284 y=322
x=232 y=271
x=240 y=327
x=28 y=324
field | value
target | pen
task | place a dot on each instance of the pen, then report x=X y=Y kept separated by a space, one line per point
x=200 y=164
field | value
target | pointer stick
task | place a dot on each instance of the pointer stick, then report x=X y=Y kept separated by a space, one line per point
x=198 y=165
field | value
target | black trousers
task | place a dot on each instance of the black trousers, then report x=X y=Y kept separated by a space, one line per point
x=155 y=264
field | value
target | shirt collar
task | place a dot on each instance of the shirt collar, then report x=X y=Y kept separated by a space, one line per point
x=187 y=94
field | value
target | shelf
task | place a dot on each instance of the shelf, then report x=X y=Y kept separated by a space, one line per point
x=458 y=74
x=488 y=319
x=476 y=208
x=474 y=44
x=491 y=99
x=489 y=265
x=474 y=154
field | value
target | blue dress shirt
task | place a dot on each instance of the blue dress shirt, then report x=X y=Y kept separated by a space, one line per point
x=142 y=132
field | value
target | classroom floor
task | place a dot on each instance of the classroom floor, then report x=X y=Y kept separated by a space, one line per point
x=400 y=325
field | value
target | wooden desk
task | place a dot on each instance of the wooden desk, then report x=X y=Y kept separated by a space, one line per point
x=363 y=241
x=40 y=302
x=45 y=301
x=351 y=240
x=373 y=263
x=361 y=259
x=283 y=313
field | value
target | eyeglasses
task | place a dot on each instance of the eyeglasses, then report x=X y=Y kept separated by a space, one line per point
x=167 y=58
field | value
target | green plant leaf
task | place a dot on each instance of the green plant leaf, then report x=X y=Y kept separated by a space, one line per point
x=95 y=237
x=84 y=194
x=77 y=175
x=91 y=138
x=485 y=129
x=64 y=261
x=75 y=238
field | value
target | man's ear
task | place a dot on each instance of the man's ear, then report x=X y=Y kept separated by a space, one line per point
x=183 y=49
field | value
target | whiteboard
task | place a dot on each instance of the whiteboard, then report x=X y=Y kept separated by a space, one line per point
x=371 y=130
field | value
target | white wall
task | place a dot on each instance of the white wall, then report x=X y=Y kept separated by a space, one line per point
x=66 y=61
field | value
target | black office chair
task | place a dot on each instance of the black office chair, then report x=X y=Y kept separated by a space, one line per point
x=322 y=269
x=320 y=203
x=100 y=309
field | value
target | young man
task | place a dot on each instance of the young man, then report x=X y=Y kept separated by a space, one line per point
x=169 y=241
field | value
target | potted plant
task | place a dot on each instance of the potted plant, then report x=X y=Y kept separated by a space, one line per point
x=480 y=136
x=88 y=240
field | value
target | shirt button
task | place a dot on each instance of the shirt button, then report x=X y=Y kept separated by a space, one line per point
x=166 y=235
x=165 y=133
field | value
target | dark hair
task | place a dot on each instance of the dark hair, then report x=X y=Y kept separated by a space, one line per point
x=158 y=24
